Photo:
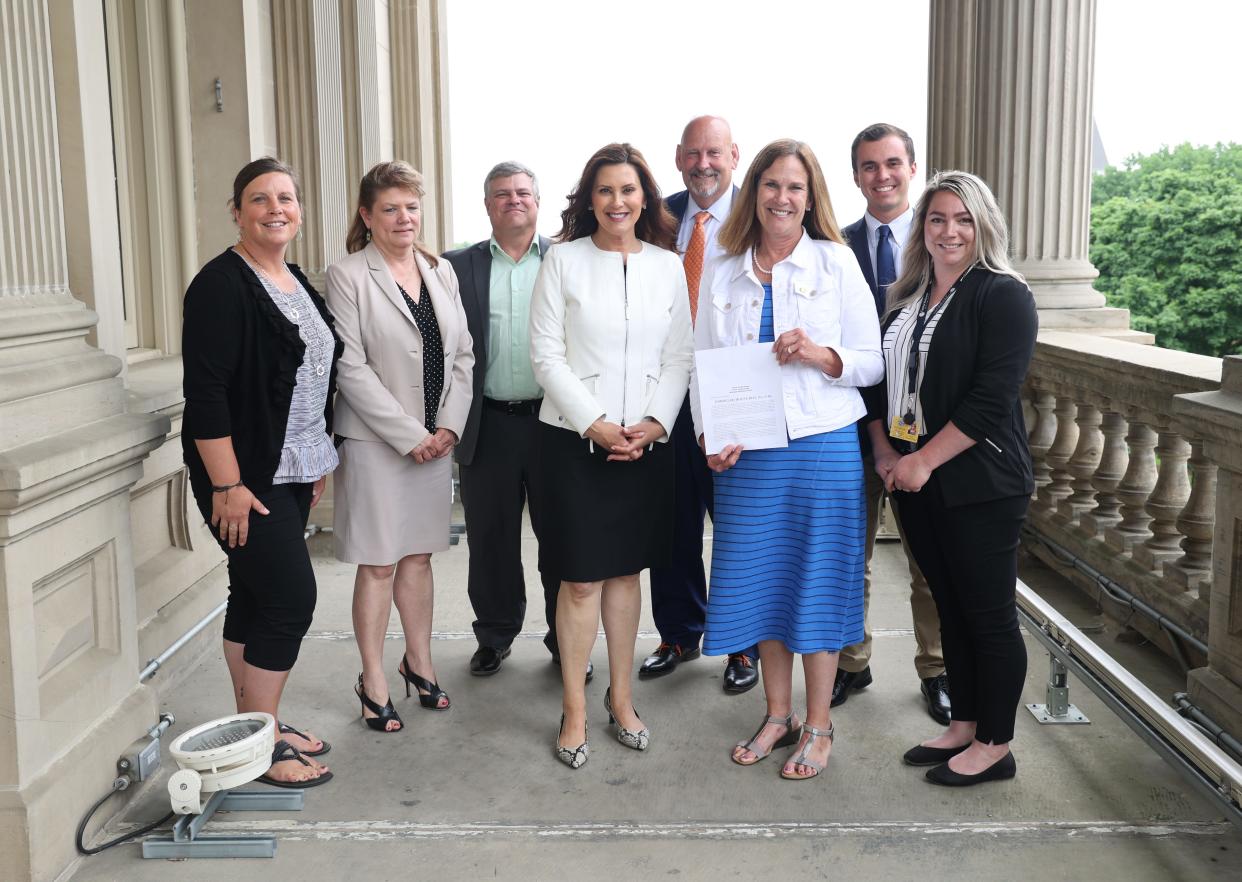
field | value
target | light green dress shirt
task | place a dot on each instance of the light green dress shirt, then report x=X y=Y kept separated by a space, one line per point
x=510 y=376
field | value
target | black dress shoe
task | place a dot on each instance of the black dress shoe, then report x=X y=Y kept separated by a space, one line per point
x=1001 y=770
x=930 y=756
x=936 y=691
x=847 y=681
x=556 y=660
x=665 y=660
x=486 y=660
x=741 y=674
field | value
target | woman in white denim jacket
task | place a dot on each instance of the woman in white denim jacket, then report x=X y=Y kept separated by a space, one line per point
x=787 y=552
x=610 y=344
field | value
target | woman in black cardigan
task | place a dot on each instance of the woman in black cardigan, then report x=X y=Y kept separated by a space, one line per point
x=950 y=444
x=259 y=355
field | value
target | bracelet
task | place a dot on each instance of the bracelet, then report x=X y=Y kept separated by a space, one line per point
x=226 y=488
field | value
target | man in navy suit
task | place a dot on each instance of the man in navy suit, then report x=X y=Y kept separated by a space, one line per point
x=496 y=455
x=706 y=158
x=883 y=160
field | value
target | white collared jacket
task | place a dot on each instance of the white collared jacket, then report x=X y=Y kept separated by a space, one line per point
x=818 y=288
x=610 y=339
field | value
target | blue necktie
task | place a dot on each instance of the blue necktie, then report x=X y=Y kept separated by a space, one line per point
x=885 y=267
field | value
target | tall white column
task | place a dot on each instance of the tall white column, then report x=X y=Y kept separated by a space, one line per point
x=1010 y=99
x=69 y=697
x=310 y=124
x=418 y=45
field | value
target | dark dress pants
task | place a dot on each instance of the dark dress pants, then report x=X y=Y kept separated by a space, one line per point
x=494 y=488
x=969 y=555
x=679 y=591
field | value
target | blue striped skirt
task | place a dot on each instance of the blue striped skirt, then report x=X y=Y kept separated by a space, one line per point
x=787 y=555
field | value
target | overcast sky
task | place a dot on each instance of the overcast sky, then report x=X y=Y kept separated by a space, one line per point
x=548 y=82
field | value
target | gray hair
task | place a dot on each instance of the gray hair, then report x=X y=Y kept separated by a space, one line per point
x=508 y=169
x=991 y=237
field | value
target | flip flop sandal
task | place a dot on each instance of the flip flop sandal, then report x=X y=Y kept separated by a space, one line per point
x=286 y=729
x=286 y=751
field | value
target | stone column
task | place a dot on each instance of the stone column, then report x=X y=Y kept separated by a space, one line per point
x=1009 y=99
x=1217 y=688
x=310 y=125
x=69 y=696
x=418 y=40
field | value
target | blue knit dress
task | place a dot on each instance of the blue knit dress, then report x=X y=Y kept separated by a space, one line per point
x=787 y=554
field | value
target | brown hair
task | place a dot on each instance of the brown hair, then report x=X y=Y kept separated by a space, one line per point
x=741 y=231
x=264 y=165
x=396 y=174
x=878 y=132
x=654 y=225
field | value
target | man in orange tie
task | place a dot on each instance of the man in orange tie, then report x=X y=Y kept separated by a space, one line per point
x=706 y=158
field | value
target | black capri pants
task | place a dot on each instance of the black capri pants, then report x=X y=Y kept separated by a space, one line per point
x=969 y=554
x=271 y=584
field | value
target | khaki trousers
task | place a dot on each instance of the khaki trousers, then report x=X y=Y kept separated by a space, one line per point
x=929 y=660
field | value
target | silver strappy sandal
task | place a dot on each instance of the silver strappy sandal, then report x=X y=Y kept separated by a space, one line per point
x=801 y=758
x=790 y=737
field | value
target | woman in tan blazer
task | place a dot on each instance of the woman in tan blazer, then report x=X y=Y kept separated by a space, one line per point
x=404 y=392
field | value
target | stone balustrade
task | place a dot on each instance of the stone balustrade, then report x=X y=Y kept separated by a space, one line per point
x=1127 y=441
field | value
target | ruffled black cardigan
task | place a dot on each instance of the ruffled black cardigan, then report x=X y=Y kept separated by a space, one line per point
x=240 y=357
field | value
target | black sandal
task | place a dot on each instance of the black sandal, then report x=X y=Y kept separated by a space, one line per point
x=324 y=747
x=286 y=751
x=431 y=700
x=383 y=715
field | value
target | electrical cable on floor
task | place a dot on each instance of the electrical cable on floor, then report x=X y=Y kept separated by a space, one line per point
x=121 y=783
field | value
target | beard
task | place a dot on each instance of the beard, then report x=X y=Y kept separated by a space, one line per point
x=704 y=186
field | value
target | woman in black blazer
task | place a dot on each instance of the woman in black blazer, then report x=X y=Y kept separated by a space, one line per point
x=950 y=444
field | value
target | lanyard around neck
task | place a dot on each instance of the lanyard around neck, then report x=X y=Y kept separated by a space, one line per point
x=922 y=319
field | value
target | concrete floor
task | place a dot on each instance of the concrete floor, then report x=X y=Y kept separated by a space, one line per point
x=476 y=792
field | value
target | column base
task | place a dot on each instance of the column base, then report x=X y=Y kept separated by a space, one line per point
x=1218 y=697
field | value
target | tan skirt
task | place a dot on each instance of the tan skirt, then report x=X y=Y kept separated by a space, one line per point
x=386 y=506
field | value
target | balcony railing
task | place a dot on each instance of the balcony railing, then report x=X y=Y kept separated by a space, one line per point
x=1126 y=481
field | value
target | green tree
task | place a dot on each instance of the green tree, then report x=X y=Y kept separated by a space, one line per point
x=1166 y=236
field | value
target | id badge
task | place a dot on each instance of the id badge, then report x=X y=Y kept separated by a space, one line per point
x=904 y=431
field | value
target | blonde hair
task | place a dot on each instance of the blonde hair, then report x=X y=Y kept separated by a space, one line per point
x=991 y=237
x=396 y=174
x=741 y=231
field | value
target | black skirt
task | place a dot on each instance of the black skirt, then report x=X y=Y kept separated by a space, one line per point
x=603 y=519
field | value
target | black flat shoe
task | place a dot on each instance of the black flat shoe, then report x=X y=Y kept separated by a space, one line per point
x=741 y=674
x=930 y=756
x=665 y=660
x=1001 y=770
x=383 y=715
x=848 y=681
x=486 y=660
x=590 y=673
x=430 y=700
x=936 y=692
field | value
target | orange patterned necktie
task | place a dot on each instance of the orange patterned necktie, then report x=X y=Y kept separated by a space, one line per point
x=694 y=261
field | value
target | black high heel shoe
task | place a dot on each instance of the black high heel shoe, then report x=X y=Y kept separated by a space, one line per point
x=431 y=701
x=383 y=715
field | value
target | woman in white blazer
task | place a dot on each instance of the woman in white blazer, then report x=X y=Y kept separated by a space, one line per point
x=611 y=347
x=404 y=392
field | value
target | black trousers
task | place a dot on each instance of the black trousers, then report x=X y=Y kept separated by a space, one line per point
x=271 y=583
x=969 y=556
x=494 y=488
x=679 y=591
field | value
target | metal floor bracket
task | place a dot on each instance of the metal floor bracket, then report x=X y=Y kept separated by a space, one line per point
x=1057 y=709
x=188 y=841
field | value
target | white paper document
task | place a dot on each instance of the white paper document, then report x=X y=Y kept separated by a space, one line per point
x=740 y=397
